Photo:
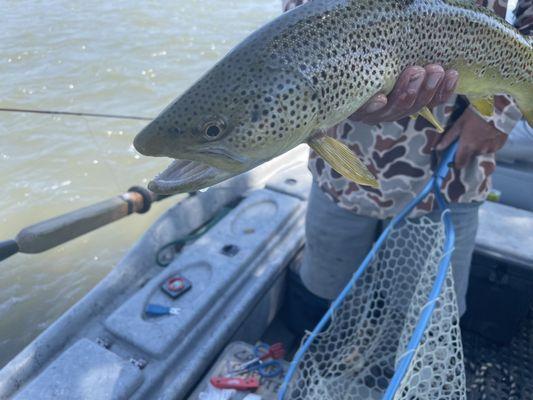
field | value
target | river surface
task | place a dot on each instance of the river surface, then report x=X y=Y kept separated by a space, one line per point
x=124 y=57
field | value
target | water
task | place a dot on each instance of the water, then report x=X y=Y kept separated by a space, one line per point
x=123 y=57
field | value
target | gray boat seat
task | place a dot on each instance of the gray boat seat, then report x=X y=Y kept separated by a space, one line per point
x=85 y=371
x=513 y=178
x=505 y=233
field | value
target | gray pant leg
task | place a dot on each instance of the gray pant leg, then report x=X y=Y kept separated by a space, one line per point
x=465 y=221
x=337 y=241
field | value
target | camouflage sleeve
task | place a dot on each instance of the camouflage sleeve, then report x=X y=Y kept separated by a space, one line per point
x=505 y=116
x=524 y=16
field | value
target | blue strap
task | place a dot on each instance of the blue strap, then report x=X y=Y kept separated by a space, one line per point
x=156 y=310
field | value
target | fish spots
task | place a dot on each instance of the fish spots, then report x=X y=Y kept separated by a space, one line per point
x=255 y=116
x=316 y=65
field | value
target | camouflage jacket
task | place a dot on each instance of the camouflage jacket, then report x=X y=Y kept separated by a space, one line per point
x=524 y=16
x=400 y=154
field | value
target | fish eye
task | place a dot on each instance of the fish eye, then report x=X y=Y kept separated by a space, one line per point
x=213 y=129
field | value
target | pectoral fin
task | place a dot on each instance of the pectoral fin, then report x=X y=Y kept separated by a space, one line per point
x=485 y=106
x=428 y=115
x=343 y=160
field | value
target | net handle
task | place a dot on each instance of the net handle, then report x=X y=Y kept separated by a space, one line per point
x=434 y=184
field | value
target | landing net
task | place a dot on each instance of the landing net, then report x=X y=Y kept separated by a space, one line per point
x=393 y=333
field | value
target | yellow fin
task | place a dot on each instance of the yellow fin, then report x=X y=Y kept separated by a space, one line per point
x=485 y=106
x=343 y=160
x=428 y=115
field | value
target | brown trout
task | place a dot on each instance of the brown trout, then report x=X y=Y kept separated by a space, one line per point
x=314 y=66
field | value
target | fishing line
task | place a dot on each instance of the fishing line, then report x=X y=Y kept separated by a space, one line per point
x=114 y=177
x=75 y=114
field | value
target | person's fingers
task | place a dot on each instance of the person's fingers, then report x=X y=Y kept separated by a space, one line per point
x=434 y=77
x=488 y=146
x=449 y=136
x=376 y=103
x=398 y=93
x=446 y=88
x=495 y=143
x=465 y=152
x=501 y=139
x=403 y=97
x=415 y=88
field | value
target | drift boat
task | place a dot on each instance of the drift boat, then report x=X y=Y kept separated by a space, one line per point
x=168 y=316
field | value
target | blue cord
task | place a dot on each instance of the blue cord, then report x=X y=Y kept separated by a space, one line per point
x=434 y=184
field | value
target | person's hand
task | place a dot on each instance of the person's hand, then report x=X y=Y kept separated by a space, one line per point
x=415 y=88
x=476 y=137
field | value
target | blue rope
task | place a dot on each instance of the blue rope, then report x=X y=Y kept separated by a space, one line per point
x=434 y=184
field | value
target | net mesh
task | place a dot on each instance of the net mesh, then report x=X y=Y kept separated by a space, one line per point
x=356 y=355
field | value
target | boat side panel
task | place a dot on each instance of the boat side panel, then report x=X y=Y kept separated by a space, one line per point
x=84 y=371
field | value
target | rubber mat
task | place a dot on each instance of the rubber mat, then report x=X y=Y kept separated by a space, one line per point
x=500 y=372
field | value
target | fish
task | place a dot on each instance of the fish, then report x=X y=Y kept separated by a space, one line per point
x=314 y=66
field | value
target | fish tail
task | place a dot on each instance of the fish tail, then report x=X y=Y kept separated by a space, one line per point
x=481 y=90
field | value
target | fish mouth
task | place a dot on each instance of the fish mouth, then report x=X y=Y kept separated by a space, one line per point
x=188 y=176
x=220 y=157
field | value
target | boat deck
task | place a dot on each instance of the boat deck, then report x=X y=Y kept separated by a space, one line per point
x=500 y=371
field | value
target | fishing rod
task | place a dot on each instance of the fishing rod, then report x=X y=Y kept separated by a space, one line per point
x=50 y=233
x=74 y=113
x=58 y=230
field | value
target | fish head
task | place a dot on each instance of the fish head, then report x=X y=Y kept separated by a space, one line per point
x=240 y=114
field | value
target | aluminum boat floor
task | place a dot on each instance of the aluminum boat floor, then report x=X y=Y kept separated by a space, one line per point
x=493 y=371
x=500 y=372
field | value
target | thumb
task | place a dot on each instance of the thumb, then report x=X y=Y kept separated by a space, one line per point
x=449 y=136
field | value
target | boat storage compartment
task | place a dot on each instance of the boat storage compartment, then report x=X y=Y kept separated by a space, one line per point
x=501 y=280
x=214 y=270
x=231 y=359
x=85 y=371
